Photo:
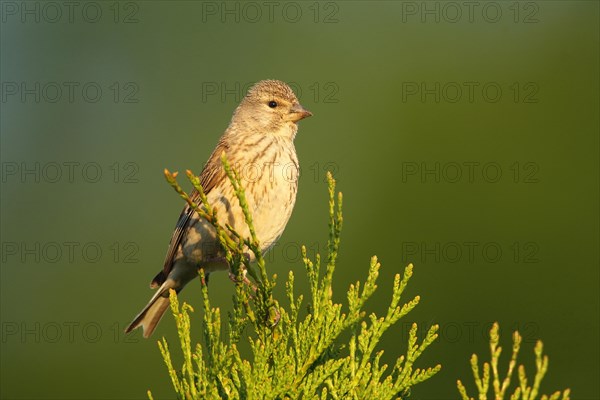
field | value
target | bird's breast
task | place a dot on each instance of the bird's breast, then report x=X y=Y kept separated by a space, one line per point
x=270 y=181
x=271 y=192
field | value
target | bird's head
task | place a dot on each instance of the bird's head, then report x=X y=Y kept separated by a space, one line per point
x=270 y=108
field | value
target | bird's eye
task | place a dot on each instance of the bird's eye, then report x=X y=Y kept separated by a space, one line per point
x=272 y=104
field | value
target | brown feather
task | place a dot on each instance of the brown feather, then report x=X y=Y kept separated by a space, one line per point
x=212 y=173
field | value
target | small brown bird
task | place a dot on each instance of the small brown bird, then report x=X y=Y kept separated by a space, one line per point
x=259 y=144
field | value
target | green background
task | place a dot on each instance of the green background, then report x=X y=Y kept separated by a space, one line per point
x=381 y=79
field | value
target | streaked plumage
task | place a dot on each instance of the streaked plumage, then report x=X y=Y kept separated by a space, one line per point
x=259 y=144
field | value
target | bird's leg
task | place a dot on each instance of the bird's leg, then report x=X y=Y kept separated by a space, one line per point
x=223 y=261
x=245 y=279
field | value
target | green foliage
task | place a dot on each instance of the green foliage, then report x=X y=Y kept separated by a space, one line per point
x=523 y=390
x=292 y=355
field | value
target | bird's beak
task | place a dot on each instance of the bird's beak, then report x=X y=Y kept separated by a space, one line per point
x=298 y=112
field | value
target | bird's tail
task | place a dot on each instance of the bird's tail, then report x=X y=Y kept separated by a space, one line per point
x=149 y=317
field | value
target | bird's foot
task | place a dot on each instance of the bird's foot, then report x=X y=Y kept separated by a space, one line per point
x=244 y=279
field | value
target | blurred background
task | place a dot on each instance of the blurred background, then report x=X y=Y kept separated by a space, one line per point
x=463 y=136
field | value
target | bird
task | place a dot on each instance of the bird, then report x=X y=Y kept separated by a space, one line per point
x=259 y=145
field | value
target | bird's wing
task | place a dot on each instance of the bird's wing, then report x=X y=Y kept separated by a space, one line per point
x=212 y=173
